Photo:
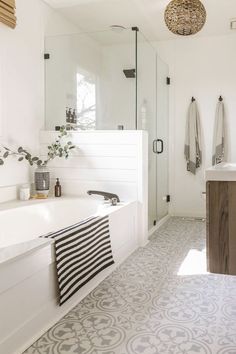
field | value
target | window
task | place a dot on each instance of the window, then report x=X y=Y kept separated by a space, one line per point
x=86 y=101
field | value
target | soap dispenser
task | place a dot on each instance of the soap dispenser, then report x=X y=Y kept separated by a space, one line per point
x=57 y=188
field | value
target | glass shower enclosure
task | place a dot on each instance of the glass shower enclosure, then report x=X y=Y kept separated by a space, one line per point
x=109 y=80
x=91 y=76
x=153 y=108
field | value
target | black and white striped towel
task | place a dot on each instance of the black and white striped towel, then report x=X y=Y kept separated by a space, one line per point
x=82 y=251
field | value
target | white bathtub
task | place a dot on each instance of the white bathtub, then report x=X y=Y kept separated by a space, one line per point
x=35 y=218
x=28 y=287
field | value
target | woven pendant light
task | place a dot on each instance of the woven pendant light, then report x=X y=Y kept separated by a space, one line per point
x=185 y=17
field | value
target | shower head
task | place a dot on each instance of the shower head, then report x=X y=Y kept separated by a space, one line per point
x=129 y=73
x=117 y=28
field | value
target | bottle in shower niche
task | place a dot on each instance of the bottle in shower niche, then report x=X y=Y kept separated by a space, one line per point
x=68 y=115
x=58 y=188
x=42 y=182
x=74 y=117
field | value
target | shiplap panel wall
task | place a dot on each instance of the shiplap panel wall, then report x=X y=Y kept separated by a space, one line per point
x=113 y=161
x=101 y=159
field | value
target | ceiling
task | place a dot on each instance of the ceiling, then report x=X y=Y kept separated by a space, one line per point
x=148 y=15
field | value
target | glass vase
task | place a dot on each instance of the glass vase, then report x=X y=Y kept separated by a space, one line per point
x=42 y=181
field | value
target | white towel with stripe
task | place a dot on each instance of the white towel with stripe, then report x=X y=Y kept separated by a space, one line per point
x=193 y=147
x=82 y=251
x=219 y=140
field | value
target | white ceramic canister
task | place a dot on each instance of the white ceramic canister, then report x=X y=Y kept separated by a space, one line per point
x=24 y=192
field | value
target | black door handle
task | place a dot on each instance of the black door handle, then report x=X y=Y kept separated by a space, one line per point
x=162 y=146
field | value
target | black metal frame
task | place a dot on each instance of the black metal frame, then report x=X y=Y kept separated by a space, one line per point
x=136 y=30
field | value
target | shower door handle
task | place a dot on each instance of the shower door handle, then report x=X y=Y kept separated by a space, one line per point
x=162 y=146
x=154 y=146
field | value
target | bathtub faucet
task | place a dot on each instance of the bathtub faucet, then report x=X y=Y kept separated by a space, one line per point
x=106 y=195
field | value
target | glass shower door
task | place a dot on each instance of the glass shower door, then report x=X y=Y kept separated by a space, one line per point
x=162 y=165
x=158 y=131
x=153 y=103
x=147 y=110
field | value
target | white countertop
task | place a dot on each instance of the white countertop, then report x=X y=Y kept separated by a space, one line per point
x=225 y=171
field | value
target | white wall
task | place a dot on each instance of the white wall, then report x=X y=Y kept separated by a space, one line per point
x=204 y=68
x=22 y=82
x=21 y=85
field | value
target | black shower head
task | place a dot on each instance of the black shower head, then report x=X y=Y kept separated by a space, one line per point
x=129 y=73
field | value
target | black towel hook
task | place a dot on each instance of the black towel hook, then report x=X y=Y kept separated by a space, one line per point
x=220 y=98
x=193 y=99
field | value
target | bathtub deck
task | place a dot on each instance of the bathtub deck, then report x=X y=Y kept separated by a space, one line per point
x=160 y=300
x=10 y=253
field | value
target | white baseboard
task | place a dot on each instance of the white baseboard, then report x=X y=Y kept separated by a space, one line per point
x=158 y=225
x=189 y=215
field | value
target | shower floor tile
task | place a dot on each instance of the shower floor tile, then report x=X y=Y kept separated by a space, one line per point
x=160 y=300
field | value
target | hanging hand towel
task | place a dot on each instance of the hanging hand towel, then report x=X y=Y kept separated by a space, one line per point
x=192 y=150
x=219 y=140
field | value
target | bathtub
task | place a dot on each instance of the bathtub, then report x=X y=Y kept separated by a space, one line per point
x=28 y=286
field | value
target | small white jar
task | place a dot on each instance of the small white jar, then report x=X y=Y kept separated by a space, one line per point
x=24 y=192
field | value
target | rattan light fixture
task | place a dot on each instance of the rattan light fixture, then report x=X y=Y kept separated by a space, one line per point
x=7 y=13
x=185 y=17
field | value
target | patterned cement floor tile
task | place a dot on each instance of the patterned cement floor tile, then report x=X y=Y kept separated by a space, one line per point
x=160 y=300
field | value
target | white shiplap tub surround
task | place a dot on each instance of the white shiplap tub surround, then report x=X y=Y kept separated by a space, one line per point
x=28 y=287
x=113 y=161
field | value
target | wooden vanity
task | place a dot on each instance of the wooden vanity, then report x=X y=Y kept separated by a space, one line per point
x=221 y=219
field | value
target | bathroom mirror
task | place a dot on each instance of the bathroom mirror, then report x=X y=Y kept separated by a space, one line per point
x=90 y=80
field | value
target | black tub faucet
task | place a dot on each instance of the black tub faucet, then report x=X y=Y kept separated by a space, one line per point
x=106 y=195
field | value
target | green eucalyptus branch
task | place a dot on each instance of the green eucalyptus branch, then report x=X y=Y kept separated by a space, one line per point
x=56 y=149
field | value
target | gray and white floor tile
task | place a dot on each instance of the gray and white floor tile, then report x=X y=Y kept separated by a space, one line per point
x=160 y=300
